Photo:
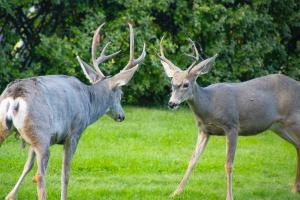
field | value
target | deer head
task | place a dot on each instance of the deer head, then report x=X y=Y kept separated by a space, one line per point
x=183 y=81
x=113 y=83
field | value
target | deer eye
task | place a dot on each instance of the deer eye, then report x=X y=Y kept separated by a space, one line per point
x=185 y=85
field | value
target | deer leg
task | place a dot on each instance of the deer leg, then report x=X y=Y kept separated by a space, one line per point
x=230 y=148
x=296 y=187
x=69 y=150
x=27 y=167
x=291 y=132
x=201 y=143
x=283 y=133
x=294 y=132
x=42 y=155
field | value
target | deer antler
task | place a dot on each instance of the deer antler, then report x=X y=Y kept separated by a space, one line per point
x=102 y=57
x=163 y=58
x=195 y=55
x=133 y=62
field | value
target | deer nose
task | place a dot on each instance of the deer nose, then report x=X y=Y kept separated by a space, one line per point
x=121 y=118
x=172 y=104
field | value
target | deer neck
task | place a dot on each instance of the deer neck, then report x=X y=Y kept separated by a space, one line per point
x=200 y=102
x=99 y=100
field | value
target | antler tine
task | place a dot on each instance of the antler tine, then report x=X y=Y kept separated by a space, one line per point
x=161 y=48
x=131 y=56
x=133 y=62
x=162 y=55
x=103 y=57
x=195 y=51
x=141 y=57
x=96 y=41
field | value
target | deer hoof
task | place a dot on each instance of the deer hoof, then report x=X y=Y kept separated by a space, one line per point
x=10 y=197
x=174 y=194
x=296 y=188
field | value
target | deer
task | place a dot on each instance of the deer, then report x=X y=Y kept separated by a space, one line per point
x=56 y=109
x=247 y=108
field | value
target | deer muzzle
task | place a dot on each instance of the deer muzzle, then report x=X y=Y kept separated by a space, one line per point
x=172 y=105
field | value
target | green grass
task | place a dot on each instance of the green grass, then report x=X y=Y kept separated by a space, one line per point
x=145 y=157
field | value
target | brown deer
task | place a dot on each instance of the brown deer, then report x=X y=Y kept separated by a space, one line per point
x=232 y=109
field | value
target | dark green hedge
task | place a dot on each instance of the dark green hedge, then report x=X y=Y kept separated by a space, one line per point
x=252 y=38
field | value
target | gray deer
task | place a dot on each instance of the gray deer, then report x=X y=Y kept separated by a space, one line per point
x=56 y=109
x=232 y=109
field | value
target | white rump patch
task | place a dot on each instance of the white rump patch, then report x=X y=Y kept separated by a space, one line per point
x=19 y=116
x=4 y=106
x=8 y=108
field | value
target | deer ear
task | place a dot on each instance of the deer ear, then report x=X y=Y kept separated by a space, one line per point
x=88 y=71
x=122 y=78
x=169 y=70
x=203 y=67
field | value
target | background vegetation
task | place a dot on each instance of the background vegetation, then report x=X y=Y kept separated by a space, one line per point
x=253 y=38
x=146 y=161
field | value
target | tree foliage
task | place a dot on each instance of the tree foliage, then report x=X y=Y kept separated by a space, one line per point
x=252 y=38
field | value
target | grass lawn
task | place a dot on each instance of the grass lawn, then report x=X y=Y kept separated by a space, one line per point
x=145 y=157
